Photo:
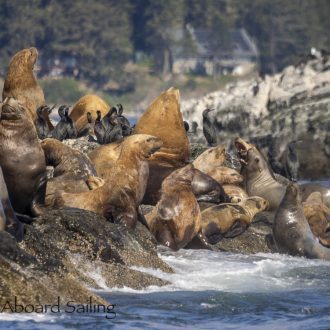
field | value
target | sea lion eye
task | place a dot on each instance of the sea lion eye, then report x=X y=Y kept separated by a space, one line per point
x=257 y=159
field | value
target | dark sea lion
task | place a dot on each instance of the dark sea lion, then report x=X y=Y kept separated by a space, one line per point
x=22 y=159
x=318 y=217
x=88 y=103
x=209 y=130
x=230 y=219
x=291 y=230
x=125 y=183
x=206 y=189
x=259 y=178
x=21 y=83
x=176 y=219
x=8 y=219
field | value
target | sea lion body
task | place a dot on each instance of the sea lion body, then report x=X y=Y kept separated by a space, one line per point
x=291 y=230
x=235 y=193
x=88 y=103
x=21 y=83
x=22 y=159
x=8 y=219
x=176 y=219
x=124 y=186
x=72 y=169
x=318 y=217
x=259 y=178
x=230 y=219
x=210 y=158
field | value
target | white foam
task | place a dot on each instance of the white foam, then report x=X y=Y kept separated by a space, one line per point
x=205 y=270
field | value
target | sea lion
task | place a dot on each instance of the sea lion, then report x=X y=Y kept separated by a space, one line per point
x=318 y=217
x=163 y=119
x=88 y=103
x=230 y=219
x=210 y=158
x=72 y=169
x=22 y=159
x=118 y=199
x=259 y=178
x=176 y=219
x=235 y=193
x=291 y=230
x=225 y=175
x=307 y=188
x=209 y=130
x=21 y=83
x=8 y=219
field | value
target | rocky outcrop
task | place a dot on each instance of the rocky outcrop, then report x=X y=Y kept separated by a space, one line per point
x=291 y=105
x=68 y=251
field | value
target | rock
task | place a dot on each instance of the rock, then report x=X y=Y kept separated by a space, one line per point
x=82 y=144
x=67 y=251
x=253 y=240
x=291 y=105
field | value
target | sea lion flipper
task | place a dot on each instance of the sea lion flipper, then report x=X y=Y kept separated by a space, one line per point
x=236 y=229
x=94 y=182
x=166 y=239
x=38 y=202
x=199 y=242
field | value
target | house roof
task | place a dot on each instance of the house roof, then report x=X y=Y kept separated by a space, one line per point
x=235 y=43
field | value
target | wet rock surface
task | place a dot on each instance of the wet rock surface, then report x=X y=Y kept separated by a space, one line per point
x=66 y=252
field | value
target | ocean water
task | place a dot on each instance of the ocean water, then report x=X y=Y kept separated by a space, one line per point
x=209 y=290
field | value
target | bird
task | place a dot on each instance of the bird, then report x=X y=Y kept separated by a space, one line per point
x=209 y=130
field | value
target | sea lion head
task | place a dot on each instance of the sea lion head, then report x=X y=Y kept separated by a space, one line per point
x=257 y=202
x=11 y=109
x=184 y=175
x=144 y=145
x=242 y=148
x=25 y=59
x=292 y=195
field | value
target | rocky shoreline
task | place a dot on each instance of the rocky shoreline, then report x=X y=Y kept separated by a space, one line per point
x=272 y=111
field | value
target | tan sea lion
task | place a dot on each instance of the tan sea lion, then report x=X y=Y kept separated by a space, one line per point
x=291 y=230
x=225 y=175
x=230 y=219
x=163 y=119
x=176 y=219
x=22 y=159
x=210 y=158
x=235 y=193
x=124 y=186
x=88 y=103
x=72 y=169
x=8 y=219
x=318 y=217
x=21 y=83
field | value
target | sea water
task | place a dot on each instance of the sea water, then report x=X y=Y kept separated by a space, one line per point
x=209 y=290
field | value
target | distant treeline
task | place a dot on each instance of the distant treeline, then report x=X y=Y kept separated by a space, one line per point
x=103 y=35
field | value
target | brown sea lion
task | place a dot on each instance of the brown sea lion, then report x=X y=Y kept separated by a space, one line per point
x=318 y=217
x=88 y=103
x=225 y=175
x=291 y=230
x=210 y=158
x=72 y=169
x=21 y=83
x=8 y=219
x=22 y=159
x=230 y=219
x=259 y=179
x=124 y=187
x=176 y=219
x=163 y=119
x=235 y=193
